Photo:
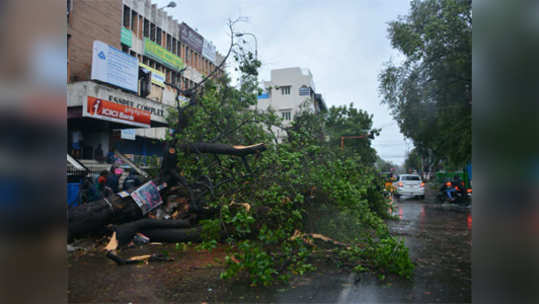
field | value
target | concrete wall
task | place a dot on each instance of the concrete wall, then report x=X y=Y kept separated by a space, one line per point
x=91 y=20
x=295 y=78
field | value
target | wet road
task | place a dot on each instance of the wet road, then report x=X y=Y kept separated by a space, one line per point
x=439 y=239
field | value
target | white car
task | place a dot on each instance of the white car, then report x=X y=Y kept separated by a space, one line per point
x=409 y=184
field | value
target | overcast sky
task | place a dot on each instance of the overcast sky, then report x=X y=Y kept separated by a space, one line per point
x=343 y=42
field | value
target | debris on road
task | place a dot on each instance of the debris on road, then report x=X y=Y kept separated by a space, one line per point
x=139 y=259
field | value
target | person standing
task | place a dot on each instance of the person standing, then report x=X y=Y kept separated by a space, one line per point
x=99 y=153
x=112 y=180
x=76 y=143
x=132 y=181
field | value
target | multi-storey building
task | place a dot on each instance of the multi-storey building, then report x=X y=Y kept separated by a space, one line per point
x=290 y=91
x=124 y=59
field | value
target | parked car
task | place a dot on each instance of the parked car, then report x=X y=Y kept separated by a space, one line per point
x=409 y=184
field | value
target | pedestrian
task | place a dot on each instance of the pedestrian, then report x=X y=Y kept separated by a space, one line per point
x=112 y=180
x=76 y=144
x=99 y=153
x=132 y=180
x=101 y=187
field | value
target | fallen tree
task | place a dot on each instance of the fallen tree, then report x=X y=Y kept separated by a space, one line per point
x=264 y=207
x=94 y=217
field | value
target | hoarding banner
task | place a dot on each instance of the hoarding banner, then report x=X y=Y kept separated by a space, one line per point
x=147 y=197
x=193 y=39
x=110 y=111
x=158 y=78
x=208 y=51
x=127 y=37
x=113 y=66
x=162 y=55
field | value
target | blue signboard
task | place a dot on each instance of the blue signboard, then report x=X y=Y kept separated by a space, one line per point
x=263 y=96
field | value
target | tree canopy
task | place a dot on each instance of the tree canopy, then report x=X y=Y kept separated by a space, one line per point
x=267 y=212
x=430 y=92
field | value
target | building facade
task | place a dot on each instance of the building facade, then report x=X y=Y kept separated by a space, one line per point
x=124 y=59
x=290 y=91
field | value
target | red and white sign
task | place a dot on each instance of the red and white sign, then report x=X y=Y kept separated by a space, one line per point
x=107 y=110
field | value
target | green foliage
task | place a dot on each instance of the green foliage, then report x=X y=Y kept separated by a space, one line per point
x=429 y=94
x=206 y=245
x=391 y=256
x=211 y=229
x=413 y=162
x=305 y=184
x=181 y=246
x=349 y=121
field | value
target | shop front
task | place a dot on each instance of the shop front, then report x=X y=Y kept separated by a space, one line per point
x=102 y=119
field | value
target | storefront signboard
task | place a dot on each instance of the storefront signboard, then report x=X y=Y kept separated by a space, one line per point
x=209 y=51
x=193 y=39
x=162 y=55
x=129 y=134
x=113 y=66
x=127 y=37
x=107 y=110
x=158 y=78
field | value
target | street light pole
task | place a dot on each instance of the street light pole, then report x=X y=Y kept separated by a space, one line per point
x=256 y=42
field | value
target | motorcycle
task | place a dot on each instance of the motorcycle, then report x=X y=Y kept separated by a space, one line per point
x=454 y=192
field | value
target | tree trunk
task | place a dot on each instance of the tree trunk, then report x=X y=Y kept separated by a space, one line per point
x=174 y=235
x=125 y=232
x=93 y=217
x=222 y=149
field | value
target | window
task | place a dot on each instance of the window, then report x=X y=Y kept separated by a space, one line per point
x=152 y=32
x=304 y=91
x=410 y=178
x=188 y=55
x=173 y=45
x=140 y=26
x=285 y=90
x=127 y=15
x=286 y=115
x=68 y=7
x=158 y=38
x=185 y=83
x=146 y=28
x=134 y=22
x=169 y=43
x=179 y=49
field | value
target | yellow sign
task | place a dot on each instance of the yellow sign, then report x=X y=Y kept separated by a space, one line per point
x=158 y=78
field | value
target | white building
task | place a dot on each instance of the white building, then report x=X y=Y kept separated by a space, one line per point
x=290 y=91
